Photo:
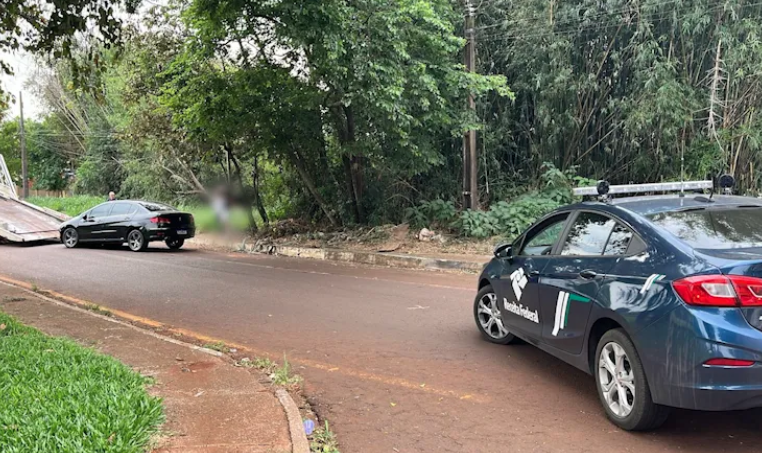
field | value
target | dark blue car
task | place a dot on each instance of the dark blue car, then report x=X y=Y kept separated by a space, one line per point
x=658 y=297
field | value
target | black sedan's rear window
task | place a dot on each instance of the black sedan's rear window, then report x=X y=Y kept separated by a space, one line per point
x=715 y=228
x=157 y=207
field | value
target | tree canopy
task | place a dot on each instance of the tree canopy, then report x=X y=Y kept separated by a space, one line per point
x=342 y=112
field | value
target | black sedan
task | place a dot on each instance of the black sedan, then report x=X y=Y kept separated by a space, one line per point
x=135 y=222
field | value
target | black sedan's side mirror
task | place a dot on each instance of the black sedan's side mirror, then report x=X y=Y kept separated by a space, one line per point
x=503 y=251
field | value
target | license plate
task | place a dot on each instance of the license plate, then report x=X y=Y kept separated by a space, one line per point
x=182 y=232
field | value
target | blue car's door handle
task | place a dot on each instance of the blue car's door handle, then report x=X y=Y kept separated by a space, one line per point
x=588 y=274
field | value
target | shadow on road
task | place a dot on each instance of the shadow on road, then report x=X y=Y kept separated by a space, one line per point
x=685 y=429
x=116 y=247
x=28 y=244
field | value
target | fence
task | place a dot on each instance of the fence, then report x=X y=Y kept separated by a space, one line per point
x=43 y=193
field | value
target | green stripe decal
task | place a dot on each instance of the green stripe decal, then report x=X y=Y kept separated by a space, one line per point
x=578 y=298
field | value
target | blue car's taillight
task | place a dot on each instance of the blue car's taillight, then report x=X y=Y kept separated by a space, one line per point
x=720 y=290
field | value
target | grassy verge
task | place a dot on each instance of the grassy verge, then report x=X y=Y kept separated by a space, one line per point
x=203 y=215
x=59 y=396
x=71 y=206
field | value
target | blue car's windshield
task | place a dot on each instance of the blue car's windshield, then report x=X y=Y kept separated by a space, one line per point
x=714 y=228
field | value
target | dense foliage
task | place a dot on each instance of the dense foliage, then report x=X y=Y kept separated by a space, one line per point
x=341 y=112
x=623 y=89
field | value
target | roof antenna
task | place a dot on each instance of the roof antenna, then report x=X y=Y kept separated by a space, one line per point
x=726 y=184
x=603 y=190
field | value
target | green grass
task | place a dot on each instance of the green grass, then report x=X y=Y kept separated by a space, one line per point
x=323 y=440
x=203 y=215
x=71 y=206
x=58 y=396
x=95 y=308
x=218 y=346
x=280 y=375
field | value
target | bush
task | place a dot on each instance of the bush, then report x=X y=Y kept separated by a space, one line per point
x=477 y=224
x=506 y=219
x=510 y=219
x=435 y=214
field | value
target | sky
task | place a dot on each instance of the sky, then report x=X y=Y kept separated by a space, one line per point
x=24 y=68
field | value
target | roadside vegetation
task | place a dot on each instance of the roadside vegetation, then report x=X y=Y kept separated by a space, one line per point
x=60 y=396
x=365 y=133
x=503 y=219
x=323 y=440
x=203 y=215
x=280 y=374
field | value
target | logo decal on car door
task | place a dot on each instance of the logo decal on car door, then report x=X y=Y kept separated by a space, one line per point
x=562 y=310
x=518 y=281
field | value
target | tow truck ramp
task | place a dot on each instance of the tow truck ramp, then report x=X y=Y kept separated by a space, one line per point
x=21 y=221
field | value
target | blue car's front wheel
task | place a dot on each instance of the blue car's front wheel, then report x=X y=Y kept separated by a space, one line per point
x=488 y=318
x=622 y=385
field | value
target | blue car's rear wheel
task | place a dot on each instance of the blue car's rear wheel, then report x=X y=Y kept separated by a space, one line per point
x=622 y=385
x=488 y=318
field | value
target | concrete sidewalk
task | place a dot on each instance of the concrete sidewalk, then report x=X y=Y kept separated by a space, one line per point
x=210 y=405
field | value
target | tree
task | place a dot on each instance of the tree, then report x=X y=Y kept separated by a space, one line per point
x=9 y=148
x=392 y=84
x=51 y=26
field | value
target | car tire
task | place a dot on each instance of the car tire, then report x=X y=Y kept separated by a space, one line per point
x=136 y=241
x=175 y=243
x=488 y=318
x=619 y=375
x=70 y=238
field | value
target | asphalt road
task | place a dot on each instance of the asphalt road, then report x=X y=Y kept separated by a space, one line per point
x=392 y=358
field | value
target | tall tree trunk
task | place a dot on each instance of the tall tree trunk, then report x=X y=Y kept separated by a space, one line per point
x=255 y=185
x=296 y=158
x=244 y=197
x=354 y=168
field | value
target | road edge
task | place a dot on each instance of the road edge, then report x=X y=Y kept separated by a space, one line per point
x=299 y=442
x=389 y=260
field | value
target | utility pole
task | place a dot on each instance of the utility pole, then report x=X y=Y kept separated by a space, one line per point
x=470 y=157
x=22 y=140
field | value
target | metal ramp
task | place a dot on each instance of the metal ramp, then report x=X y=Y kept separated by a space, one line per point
x=21 y=221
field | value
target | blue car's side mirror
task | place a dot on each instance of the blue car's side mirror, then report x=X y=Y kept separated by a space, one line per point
x=503 y=251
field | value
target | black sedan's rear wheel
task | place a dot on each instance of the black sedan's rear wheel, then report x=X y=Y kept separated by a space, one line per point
x=70 y=237
x=136 y=241
x=489 y=319
x=174 y=243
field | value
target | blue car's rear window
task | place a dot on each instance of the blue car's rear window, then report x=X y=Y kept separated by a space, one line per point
x=715 y=228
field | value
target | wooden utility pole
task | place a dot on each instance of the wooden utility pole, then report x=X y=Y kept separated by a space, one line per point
x=470 y=156
x=22 y=140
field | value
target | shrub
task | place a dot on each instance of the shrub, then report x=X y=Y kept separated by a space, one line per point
x=436 y=214
x=477 y=224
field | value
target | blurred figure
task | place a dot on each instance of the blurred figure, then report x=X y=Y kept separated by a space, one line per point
x=111 y=196
x=221 y=206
